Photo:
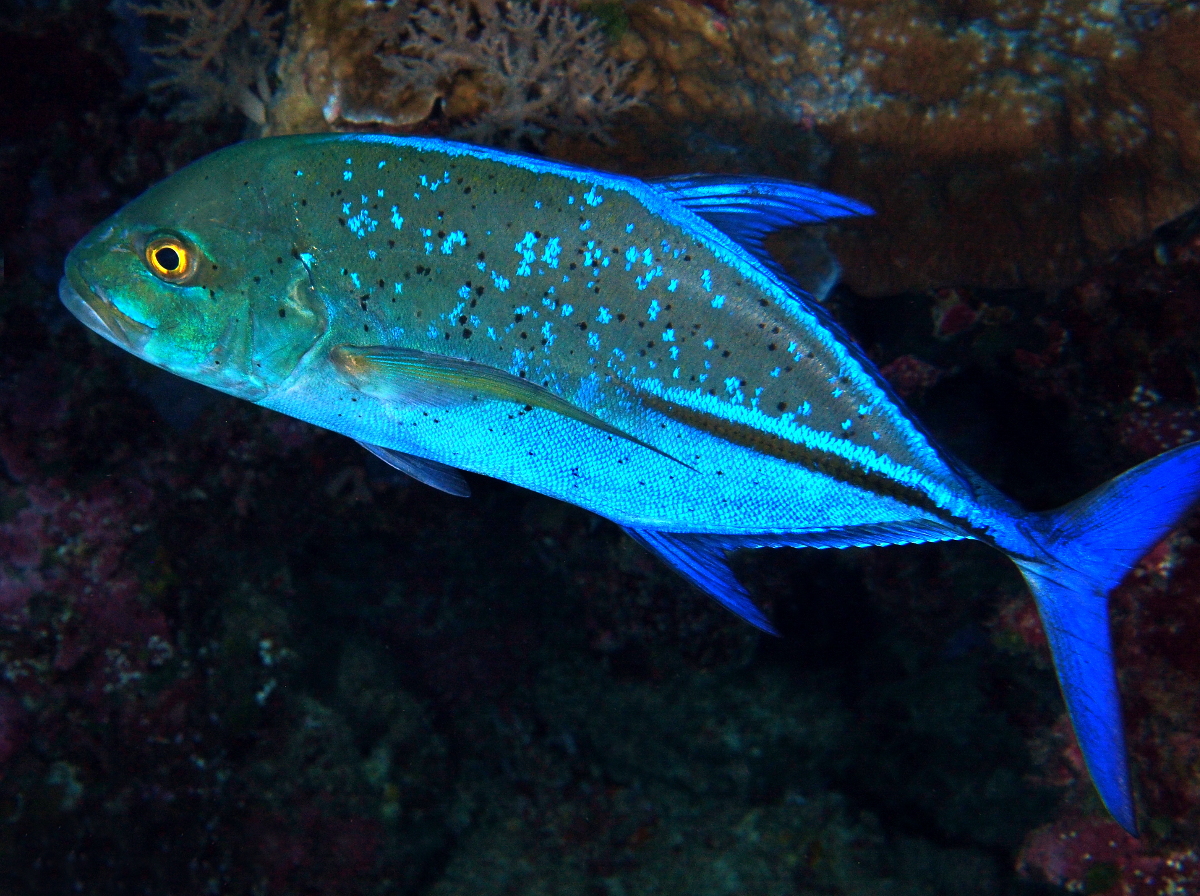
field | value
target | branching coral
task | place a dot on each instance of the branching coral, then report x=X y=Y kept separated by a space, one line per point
x=497 y=71
x=217 y=54
x=508 y=71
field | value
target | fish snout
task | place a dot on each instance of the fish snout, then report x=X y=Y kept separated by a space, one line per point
x=92 y=306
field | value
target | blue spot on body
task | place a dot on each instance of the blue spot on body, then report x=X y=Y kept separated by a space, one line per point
x=457 y=238
x=551 y=252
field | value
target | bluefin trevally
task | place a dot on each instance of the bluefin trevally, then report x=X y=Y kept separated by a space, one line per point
x=626 y=346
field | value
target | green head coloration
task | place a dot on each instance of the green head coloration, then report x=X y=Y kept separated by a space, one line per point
x=201 y=275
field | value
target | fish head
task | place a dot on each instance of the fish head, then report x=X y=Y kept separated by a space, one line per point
x=202 y=278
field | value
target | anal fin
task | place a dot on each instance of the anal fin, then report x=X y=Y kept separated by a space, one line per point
x=704 y=566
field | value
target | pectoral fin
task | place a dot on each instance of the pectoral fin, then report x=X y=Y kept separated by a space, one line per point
x=421 y=379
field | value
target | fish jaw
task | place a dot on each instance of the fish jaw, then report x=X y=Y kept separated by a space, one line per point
x=101 y=316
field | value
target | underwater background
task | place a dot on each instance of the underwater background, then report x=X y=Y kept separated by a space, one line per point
x=240 y=655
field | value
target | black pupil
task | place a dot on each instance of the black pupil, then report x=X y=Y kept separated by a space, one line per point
x=167 y=258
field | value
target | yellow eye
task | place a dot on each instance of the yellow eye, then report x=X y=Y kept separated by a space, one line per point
x=170 y=259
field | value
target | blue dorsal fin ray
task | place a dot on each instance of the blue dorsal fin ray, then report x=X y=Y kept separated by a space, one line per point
x=704 y=566
x=746 y=209
x=443 y=478
x=755 y=206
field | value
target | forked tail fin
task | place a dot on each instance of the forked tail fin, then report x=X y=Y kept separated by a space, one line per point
x=1089 y=546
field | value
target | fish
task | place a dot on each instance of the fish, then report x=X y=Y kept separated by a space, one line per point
x=627 y=346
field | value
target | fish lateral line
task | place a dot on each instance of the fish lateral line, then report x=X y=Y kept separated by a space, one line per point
x=816 y=461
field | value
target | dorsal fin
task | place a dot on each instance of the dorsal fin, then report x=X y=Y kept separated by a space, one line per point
x=746 y=209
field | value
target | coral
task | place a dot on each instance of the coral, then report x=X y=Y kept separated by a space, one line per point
x=1093 y=856
x=495 y=71
x=507 y=72
x=910 y=376
x=217 y=54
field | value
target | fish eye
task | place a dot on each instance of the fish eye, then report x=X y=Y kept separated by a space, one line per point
x=170 y=259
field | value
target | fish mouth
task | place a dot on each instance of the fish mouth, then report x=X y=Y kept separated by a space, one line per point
x=94 y=309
